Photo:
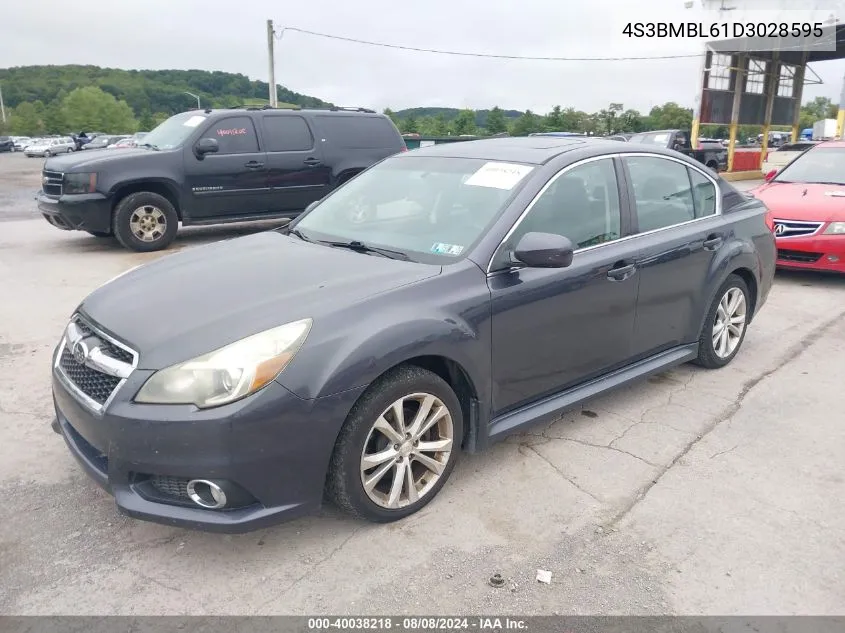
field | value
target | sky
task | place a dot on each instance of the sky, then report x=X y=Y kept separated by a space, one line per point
x=231 y=36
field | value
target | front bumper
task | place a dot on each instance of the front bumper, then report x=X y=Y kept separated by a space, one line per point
x=817 y=252
x=79 y=212
x=272 y=445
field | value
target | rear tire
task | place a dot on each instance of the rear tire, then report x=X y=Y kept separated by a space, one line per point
x=145 y=222
x=725 y=325
x=405 y=467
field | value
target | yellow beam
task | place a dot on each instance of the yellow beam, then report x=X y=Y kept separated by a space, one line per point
x=696 y=126
x=743 y=175
x=840 y=122
x=732 y=146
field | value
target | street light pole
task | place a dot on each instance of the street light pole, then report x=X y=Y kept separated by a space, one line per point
x=197 y=97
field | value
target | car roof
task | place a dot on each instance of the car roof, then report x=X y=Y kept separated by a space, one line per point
x=833 y=144
x=521 y=149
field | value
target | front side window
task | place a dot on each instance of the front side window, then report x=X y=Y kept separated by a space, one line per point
x=433 y=209
x=582 y=204
x=662 y=192
x=234 y=135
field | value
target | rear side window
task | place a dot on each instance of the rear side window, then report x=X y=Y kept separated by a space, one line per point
x=662 y=192
x=287 y=134
x=359 y=132
x=235 y=135
x=703 y=193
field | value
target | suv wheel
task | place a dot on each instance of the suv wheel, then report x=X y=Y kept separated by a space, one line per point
x=145 y=222
x=725 y=325
x=398 y=446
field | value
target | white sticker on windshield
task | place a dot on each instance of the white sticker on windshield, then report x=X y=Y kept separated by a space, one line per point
x=194 y=121
x=446 y=249
x=661 y=138
x=499 y=175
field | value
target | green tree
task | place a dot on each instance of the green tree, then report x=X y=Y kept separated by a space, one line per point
x=554 y=120
x=464 y=123
x=391 y=115
x=670 y=116
x=55 y=121
x=630 y=121
x=90 y=108
x=146 y=121
x=409 y=125
x=159 y=118
x=26 y=120
x=527 y=124
x=496 y=123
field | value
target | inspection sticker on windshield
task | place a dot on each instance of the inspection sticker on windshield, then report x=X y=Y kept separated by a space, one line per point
x=499 y=175
x=194 y=121
x=446 y=249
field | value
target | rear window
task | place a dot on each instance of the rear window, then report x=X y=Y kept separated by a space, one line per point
x=360 y=132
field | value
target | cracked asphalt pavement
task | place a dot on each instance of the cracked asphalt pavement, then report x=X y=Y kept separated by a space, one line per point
x=694 y=492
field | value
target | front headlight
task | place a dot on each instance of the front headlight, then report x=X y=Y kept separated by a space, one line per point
x=229 y=373
x=835 y=228
x=80 y=183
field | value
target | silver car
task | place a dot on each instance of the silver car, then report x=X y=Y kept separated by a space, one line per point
x=50 y=147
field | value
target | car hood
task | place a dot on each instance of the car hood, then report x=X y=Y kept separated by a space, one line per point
x=193 y=302
x=86 y=161
x=803 y=201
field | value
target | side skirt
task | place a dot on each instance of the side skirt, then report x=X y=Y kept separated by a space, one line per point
x=549 y=408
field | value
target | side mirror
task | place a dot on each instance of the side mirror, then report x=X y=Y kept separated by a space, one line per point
x=544 y=250
x=206 y=146
x=768 y=177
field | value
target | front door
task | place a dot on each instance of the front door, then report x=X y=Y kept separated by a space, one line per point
x=296 y=173
x=231 y=181
x=554 y=328
x=680 y=233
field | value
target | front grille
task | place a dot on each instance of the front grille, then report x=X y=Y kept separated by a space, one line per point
x=805 y=257
x=52 y=182
x=94 y=384
x=795 y=228
x=108 y=348
x=171 y=486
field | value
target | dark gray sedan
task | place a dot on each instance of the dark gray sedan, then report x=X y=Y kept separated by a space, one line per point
x=442 y=299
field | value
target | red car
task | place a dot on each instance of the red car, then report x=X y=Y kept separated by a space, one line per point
x=806 y=201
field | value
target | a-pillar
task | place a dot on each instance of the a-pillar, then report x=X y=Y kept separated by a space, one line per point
x=739 y=86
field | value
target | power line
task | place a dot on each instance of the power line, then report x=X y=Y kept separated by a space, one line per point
x=481 y=55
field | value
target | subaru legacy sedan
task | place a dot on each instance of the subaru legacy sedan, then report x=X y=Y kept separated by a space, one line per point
x=437 y=302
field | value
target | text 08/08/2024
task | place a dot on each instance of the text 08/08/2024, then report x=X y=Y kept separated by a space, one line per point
x=682 y=30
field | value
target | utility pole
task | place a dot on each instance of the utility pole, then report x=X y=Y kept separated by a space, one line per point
x=2 y=106
x=191 y=94
x=271 y=38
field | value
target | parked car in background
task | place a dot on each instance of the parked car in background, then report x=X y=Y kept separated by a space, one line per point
x=440 y=301
x=103 y=141
x=780 y=157
x=212 y=167
x=21 y=142
x=619 y=137
x=7 y=144
x=122 y=143
x=715 y=157
x=50 y=147
x=806 y=200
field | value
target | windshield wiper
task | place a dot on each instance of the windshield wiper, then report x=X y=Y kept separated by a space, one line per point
x=360 y=247
x=150 y=145
x=298 y=234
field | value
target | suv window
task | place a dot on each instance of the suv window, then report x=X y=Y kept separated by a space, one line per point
x=662 y=192
x=359 y=132
x=581 y=204
x=285 y=133
x=235 y=135
x=704 y=194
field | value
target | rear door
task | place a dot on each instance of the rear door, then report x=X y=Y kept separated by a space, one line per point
x=232 y=181
x=679 y=231
x=296 y=172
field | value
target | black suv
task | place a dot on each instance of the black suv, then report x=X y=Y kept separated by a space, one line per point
x=213 y=167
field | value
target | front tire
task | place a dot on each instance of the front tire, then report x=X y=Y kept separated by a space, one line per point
x=725 y=325
x=398 y=446
x=145 y=222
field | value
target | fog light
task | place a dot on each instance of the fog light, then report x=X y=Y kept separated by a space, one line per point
x=206 y=494
x=833 y=258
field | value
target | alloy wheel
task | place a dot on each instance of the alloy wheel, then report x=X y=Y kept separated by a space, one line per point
x=147 y=223
x=407 y=450
x=730 y=323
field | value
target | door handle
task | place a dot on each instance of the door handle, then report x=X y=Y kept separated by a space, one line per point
x=621 y=271
x=313 y=162
x=713 y=242
x=254 y=164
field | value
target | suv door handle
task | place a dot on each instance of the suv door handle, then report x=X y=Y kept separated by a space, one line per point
x=713 y=242
x=254 y=164
x=313 y=162
x=620 y=271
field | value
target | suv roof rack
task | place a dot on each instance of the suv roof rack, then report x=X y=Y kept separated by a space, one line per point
x=353 y=109
x=265 y=107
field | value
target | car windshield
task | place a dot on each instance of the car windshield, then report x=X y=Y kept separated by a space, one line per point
x=654 y=138
x=431 y=209
x=173 y=132
x=818 y=165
